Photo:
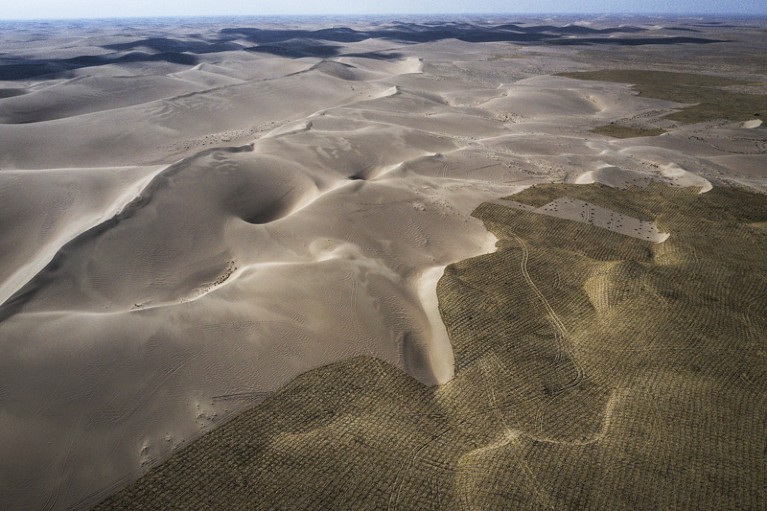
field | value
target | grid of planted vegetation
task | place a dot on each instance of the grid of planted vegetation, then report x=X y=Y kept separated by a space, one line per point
x=594 y=371
x=708 y=97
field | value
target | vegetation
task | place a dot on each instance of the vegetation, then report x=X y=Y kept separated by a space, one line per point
x=709 y=97
x=620 y=131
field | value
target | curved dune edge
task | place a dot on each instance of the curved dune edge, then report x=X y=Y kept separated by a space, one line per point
x=589 y=367
x=71 y=230
x=440 y=353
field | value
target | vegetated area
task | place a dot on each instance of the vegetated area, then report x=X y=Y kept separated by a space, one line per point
x=708 y=96
x=620 y=131
x=593 y=371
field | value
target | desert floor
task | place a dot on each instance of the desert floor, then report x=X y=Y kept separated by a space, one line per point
x=195 y=212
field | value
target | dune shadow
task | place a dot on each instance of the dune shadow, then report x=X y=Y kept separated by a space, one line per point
x=52 y=270
x=11 y=93
x=24 y=69
x=327 y=42
x=168 y=45
x=298 y=49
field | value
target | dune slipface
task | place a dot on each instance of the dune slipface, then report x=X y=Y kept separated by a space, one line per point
x=326 y=242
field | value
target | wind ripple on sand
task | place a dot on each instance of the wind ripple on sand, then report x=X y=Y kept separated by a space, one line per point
x=69 y=224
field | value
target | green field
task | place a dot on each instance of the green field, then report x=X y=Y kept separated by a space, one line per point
x=594 y=371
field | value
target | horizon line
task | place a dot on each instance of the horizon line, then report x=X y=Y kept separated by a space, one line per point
x=394 y=15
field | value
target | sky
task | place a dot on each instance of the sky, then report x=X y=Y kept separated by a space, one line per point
x=45 y=9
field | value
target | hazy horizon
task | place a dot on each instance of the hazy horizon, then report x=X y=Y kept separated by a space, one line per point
x=91 y=9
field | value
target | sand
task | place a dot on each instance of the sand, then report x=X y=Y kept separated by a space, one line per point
x=187 y=227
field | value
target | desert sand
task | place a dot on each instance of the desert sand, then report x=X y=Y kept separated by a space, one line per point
x=195 y=212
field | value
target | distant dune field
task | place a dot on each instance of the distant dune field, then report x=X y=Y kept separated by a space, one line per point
x=303 y=223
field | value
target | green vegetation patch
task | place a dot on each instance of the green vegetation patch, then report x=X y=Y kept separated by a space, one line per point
x=707 y=95
x=619 y=131
x=594 y=371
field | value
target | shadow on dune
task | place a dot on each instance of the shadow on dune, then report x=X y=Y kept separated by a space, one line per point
x=313 y=43
x=324 y=43
x=422 y=33
x=168 y=45
x=73 y=248
x=298 y=48
x=23 y=69
x=10 y=93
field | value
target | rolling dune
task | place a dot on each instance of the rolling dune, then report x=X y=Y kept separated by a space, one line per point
x=193 y=216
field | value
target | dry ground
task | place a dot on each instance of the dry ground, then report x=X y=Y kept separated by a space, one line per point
x=193 y=213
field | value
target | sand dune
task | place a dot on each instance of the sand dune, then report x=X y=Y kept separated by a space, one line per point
x=87 y=95
x=193 y=216
x=73 y=201
x=168 y=123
